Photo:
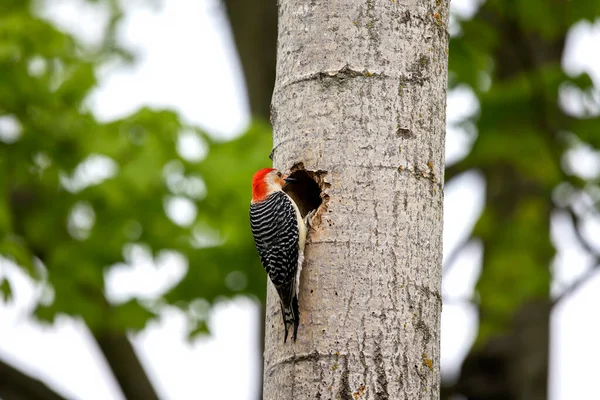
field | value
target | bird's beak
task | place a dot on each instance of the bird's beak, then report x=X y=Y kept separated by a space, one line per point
x=289 y=179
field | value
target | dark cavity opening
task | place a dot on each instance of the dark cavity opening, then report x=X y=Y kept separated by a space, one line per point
x=306 y=190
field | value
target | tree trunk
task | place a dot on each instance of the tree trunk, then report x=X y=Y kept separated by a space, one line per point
x=359 y=102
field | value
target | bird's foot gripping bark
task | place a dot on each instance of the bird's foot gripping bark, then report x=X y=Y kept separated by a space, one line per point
x=308 y=218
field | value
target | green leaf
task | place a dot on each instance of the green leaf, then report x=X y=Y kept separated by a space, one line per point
x=200 y=330
x=6 y=292
x=15 y=248
x=130 y=315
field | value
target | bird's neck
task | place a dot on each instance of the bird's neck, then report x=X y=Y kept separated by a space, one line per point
x=262 y=192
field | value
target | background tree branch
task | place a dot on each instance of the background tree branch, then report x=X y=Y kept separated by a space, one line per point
x=17 y=385
x=125 y=365
x=254 y=26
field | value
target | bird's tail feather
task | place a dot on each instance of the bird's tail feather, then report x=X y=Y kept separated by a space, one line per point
x=291 y=316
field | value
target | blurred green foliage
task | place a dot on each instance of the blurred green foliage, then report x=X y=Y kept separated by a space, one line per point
x=65 y=223
x=510 y=55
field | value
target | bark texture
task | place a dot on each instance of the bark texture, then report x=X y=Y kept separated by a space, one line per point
x=360 y=100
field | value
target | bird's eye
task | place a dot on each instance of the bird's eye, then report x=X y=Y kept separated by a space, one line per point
x=279 y=174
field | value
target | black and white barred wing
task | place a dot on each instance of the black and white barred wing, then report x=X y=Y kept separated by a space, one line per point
x=276 y=234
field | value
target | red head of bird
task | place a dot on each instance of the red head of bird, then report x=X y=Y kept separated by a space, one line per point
x=267 y=181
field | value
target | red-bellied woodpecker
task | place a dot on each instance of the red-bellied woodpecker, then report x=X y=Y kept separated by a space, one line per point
x=280 y=235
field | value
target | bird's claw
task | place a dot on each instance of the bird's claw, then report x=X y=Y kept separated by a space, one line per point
x=308 y=218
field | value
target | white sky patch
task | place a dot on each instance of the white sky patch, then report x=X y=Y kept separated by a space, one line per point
x=460 y=10
x=575 y=351
x=459 y=318
x=571 y=260
x=181 y=210
x=95 y=169
x=82 y=18
x=81 y=220
x=591 y=231
x=583 y=161
x=185 y=61
x=465 y=8
x=581 y=50
x=191 y=147
x=37 y=66
x=10 y=129
x=581 y=55
x=461 y=104
x=142 y=277
x=462 y=321
x=460 y=279
x=463 y=202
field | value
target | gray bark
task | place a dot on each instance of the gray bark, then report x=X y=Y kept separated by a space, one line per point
x=360 y=96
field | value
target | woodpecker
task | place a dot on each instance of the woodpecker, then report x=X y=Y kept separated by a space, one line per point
x=280 y=235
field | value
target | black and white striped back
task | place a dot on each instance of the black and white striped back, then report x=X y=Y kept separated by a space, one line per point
x=276 y=234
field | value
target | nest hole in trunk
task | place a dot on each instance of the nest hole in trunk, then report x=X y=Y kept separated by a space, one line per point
x=306 y=191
